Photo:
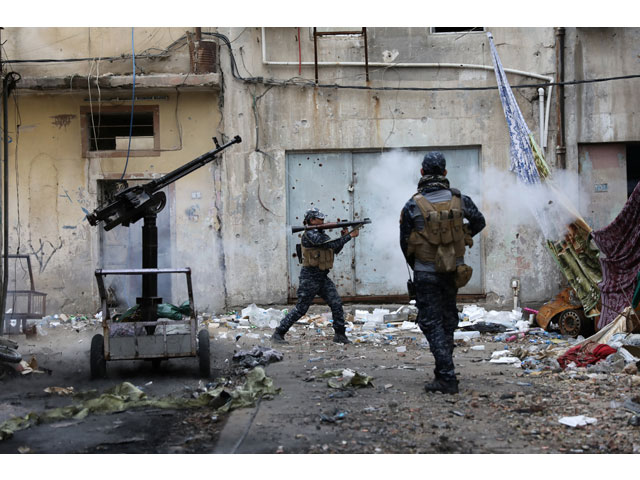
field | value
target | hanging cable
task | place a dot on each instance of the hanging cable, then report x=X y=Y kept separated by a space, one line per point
x=133 y=102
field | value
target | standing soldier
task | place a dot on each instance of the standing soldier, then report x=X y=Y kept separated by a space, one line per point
x=318 y=251
x=433 y=239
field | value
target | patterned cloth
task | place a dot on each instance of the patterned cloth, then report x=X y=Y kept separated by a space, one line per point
x=314 y=281
x=619 y=244
x=522 y=159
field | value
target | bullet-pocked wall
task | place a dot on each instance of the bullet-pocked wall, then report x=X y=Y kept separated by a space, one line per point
x=53 y=184
x=274 y=119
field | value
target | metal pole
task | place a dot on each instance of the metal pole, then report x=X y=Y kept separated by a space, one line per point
x=4 y=268
x=561 y=149
x=5 y=201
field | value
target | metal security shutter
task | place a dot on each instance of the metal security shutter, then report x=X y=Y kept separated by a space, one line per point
x=354 y=185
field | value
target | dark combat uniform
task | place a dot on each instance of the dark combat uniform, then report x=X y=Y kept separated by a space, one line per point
x=433 y=218
x=318 y=251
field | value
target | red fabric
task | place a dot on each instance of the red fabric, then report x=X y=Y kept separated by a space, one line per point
x=586 y=354
x=619 y=244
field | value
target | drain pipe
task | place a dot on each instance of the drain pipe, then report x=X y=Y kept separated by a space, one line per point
x=541 y=109
x=561 y=161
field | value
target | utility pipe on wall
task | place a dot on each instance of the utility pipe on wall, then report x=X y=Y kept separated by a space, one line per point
x=560 y=145
x=541 y=109
x=299 y=64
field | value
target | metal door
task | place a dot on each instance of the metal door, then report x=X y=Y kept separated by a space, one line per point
x=384 y=183
x=322 y=180
x=349 y=186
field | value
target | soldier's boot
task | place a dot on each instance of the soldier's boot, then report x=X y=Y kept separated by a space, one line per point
x=442 y=385
x=278 y=337
x=341 y=337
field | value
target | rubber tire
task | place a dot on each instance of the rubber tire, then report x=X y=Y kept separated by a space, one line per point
x=204 y=353
x=577 y=318
x=97 y=361
x=9 y=355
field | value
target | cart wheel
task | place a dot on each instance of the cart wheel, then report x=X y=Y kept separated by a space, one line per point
x=204 y=353
x=97 y=360
x=10 y=355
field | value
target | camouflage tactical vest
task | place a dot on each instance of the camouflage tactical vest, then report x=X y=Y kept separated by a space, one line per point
x=317 y=257
x=443 y=238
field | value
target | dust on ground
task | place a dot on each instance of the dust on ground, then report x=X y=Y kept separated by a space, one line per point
x=500 y=408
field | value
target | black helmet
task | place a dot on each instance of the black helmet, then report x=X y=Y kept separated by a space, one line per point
x=312 y=213
x=434 y=163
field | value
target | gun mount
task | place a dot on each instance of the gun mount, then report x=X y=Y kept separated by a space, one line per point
x=146 y=201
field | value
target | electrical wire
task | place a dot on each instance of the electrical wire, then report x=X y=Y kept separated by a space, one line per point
x=133 y=102
x=310 y=83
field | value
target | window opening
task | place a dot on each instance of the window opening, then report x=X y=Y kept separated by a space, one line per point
x=456 y=29
x=106 y=131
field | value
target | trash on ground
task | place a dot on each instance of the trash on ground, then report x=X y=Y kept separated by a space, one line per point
x=126 y=396
x=258 y=355
x=337 y=416
x=585 y=354
x=60 y=390
x=347 y=378
x=577 y=421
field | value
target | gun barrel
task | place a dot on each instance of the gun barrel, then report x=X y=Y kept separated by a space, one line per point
x=329 y=226
x=116 y=211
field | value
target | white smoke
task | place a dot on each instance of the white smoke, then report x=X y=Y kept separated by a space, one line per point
x=506 y=204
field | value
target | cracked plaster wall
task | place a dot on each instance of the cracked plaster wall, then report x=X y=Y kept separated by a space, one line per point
x=57 y=188
x=298 y=118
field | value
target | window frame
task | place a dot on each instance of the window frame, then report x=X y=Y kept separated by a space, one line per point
x=432 y=30
x=85 y=126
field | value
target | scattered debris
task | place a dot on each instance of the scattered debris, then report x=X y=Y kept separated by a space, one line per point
x=258 y=355
x=62 y=391
x=347 y=378
x=577 y=421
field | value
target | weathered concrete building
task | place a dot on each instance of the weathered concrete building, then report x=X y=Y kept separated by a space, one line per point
x=337 y=121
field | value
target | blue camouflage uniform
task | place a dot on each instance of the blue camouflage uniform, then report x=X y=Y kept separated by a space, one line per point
x=314 y=281
x=436 y=292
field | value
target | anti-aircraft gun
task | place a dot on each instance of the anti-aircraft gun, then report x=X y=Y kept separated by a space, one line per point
x=146 y=201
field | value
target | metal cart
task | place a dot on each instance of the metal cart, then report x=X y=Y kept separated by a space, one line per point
x=147 y=340
x=23 y=304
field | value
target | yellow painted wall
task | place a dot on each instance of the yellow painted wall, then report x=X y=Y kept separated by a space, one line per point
x=56 y=188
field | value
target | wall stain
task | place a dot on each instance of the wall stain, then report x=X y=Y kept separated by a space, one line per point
x=63 y=120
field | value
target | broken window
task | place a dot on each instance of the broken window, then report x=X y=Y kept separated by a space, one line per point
x=106 y=131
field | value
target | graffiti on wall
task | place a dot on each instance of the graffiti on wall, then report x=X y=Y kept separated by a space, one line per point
x=45 y=252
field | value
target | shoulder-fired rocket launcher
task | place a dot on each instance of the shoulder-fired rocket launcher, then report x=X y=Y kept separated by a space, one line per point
x=329 y=226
